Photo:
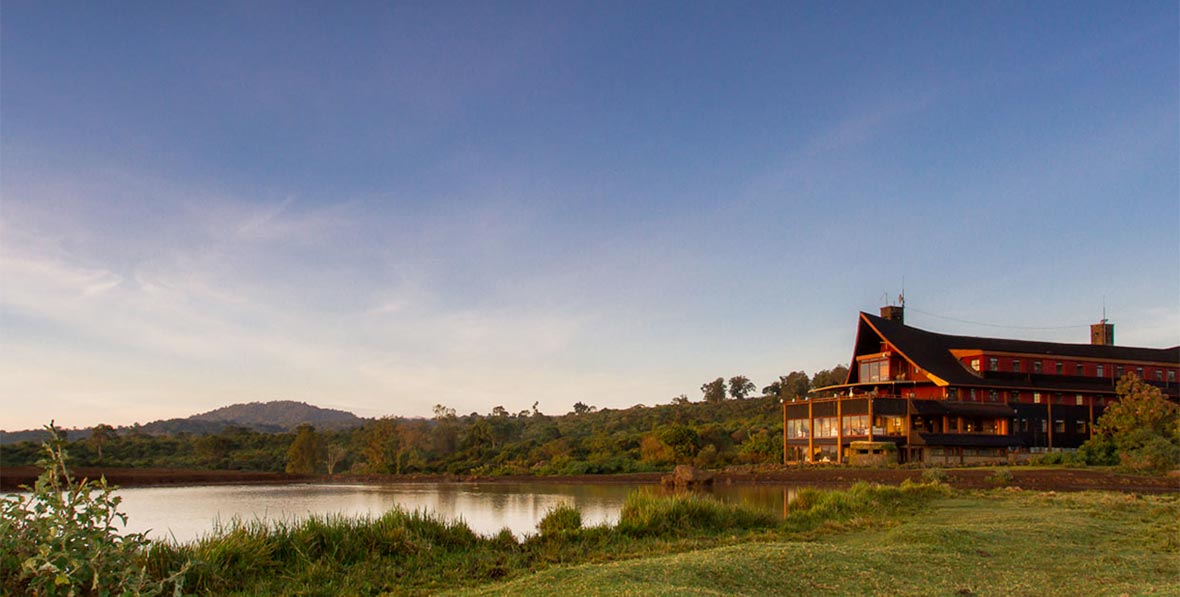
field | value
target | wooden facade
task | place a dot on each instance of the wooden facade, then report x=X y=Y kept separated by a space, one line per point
x=943 y=399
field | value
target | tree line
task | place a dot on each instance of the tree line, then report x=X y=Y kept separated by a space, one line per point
x=727 y=426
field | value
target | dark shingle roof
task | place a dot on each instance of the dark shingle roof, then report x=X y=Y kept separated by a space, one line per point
x=932 y=351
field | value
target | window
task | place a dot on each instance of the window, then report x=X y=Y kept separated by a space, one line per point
x=993 y=396
x=825 y=427
x=1016 y=365
x=1080 y=400
x=1024 y=425
x=1159 y=374
x=856 y=425
x=1101 y=370
x=1036 y=397
x=975 y=364
x=1119 y=371
x=1036 y=366
x=1044 y=425
x=877 y=370
x=889 y=425
x=1059 y=426
x=1171 y=375
x=1081 y=426
x=1013 y=396
x=797 y=428
x=1139 y=372
x=1059 y=398
x=1080 y=369
x=972 y=394
x=952 y=393
x=993 y=364
x=1060 y=367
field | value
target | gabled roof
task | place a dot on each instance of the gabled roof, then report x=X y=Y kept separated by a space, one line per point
x=932 y=351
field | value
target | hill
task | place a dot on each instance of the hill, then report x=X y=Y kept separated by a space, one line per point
x=268 y=417
x=283 y=414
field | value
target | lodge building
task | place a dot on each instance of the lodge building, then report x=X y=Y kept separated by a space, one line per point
x=917 y=396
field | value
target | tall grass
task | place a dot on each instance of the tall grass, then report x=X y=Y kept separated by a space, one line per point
x=813 y=508
x=645 y=515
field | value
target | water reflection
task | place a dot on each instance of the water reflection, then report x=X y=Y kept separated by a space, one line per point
x=185 y=513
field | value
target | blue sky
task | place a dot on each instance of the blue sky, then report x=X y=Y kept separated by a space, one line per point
x=380 y=207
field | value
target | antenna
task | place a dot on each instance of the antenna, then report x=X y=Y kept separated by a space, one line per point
x=1104 y=308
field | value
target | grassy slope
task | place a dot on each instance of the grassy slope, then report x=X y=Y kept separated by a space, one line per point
x=982 y=544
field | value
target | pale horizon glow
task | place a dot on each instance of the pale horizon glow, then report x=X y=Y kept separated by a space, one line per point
x=379 y=209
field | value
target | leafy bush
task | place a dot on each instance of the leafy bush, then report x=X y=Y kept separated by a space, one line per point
x=563 y=518
x=62 y=538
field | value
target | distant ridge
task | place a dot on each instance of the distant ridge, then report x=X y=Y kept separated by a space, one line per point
x=278 y=415
x=271 y=417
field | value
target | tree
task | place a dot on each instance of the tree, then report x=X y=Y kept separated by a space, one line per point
x=714 y=391
x=740 y=386
x=829 y=377
x=681 y=399
x=99 y=436
x=304 y=453
x=581 y=409
x=333 y=455
x=796 y=384
x=1143 y=426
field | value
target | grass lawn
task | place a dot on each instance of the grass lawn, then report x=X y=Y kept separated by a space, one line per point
x=988 y=543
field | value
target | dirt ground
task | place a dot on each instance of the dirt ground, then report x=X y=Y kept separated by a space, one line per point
x=1033 y=478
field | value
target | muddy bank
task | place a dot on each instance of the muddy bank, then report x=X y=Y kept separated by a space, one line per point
x=1041 y=479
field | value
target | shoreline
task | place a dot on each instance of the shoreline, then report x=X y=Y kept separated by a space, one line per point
x=1031 y=478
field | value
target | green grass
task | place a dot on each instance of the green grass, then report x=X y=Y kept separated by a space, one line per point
x=997 y=543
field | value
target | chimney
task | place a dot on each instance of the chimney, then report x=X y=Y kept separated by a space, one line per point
x=1102 y=333
x=893 y=313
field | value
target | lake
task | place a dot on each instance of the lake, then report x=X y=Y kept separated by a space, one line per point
x=185 y=513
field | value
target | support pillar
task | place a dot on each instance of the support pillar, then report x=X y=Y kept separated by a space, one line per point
x=810 y=431
x=1049 y=423
x=839 y=431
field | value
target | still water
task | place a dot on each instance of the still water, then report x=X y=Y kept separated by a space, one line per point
x=186 y=513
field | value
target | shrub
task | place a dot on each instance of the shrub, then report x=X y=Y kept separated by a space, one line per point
x=560 y=519
x=1001 y=477
x=61 y=538
x=934 y=475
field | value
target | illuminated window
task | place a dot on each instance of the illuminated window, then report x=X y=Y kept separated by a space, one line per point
x=1036 y=397
x=975 y=364
x=1080 y=400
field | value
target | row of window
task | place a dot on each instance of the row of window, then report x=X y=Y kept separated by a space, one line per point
x=1079 y=369
x=894 y=425
x=1080 y=426
x=853 y=425
x=974 y=395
